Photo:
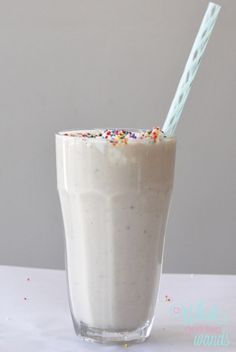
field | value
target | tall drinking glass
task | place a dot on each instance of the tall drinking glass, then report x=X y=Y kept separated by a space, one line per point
x=115 y=200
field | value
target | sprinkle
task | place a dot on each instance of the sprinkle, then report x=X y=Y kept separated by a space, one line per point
x=25 y=298
x=28 y=279
x=120 y=136
x=167 y=298
x=176 y=310
x=125 y=345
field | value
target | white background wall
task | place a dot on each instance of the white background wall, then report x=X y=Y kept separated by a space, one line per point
x=88 y=63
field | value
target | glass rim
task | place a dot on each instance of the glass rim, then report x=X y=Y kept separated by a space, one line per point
x=132 y=129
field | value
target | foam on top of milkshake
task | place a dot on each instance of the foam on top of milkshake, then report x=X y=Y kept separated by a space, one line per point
x=119 y=136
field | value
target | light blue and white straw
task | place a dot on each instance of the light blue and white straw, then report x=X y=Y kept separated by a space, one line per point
x=191 y=68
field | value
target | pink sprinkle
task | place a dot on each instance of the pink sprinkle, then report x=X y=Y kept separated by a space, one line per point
x=176 y=310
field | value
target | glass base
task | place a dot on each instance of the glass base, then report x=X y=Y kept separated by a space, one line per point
x=92 y=334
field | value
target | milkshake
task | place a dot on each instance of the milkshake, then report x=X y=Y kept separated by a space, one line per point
x=115 y=188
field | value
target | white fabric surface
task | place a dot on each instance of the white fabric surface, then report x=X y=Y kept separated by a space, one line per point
x=34 y=312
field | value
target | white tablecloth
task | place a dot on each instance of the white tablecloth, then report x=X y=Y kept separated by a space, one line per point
x=34 y=313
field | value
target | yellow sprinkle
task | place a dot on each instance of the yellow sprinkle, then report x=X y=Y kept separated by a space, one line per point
x=125 y=345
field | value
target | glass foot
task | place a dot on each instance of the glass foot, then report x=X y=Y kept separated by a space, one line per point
x=91 y=334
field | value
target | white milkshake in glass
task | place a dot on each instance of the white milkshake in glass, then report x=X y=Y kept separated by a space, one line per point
x=115 y=188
